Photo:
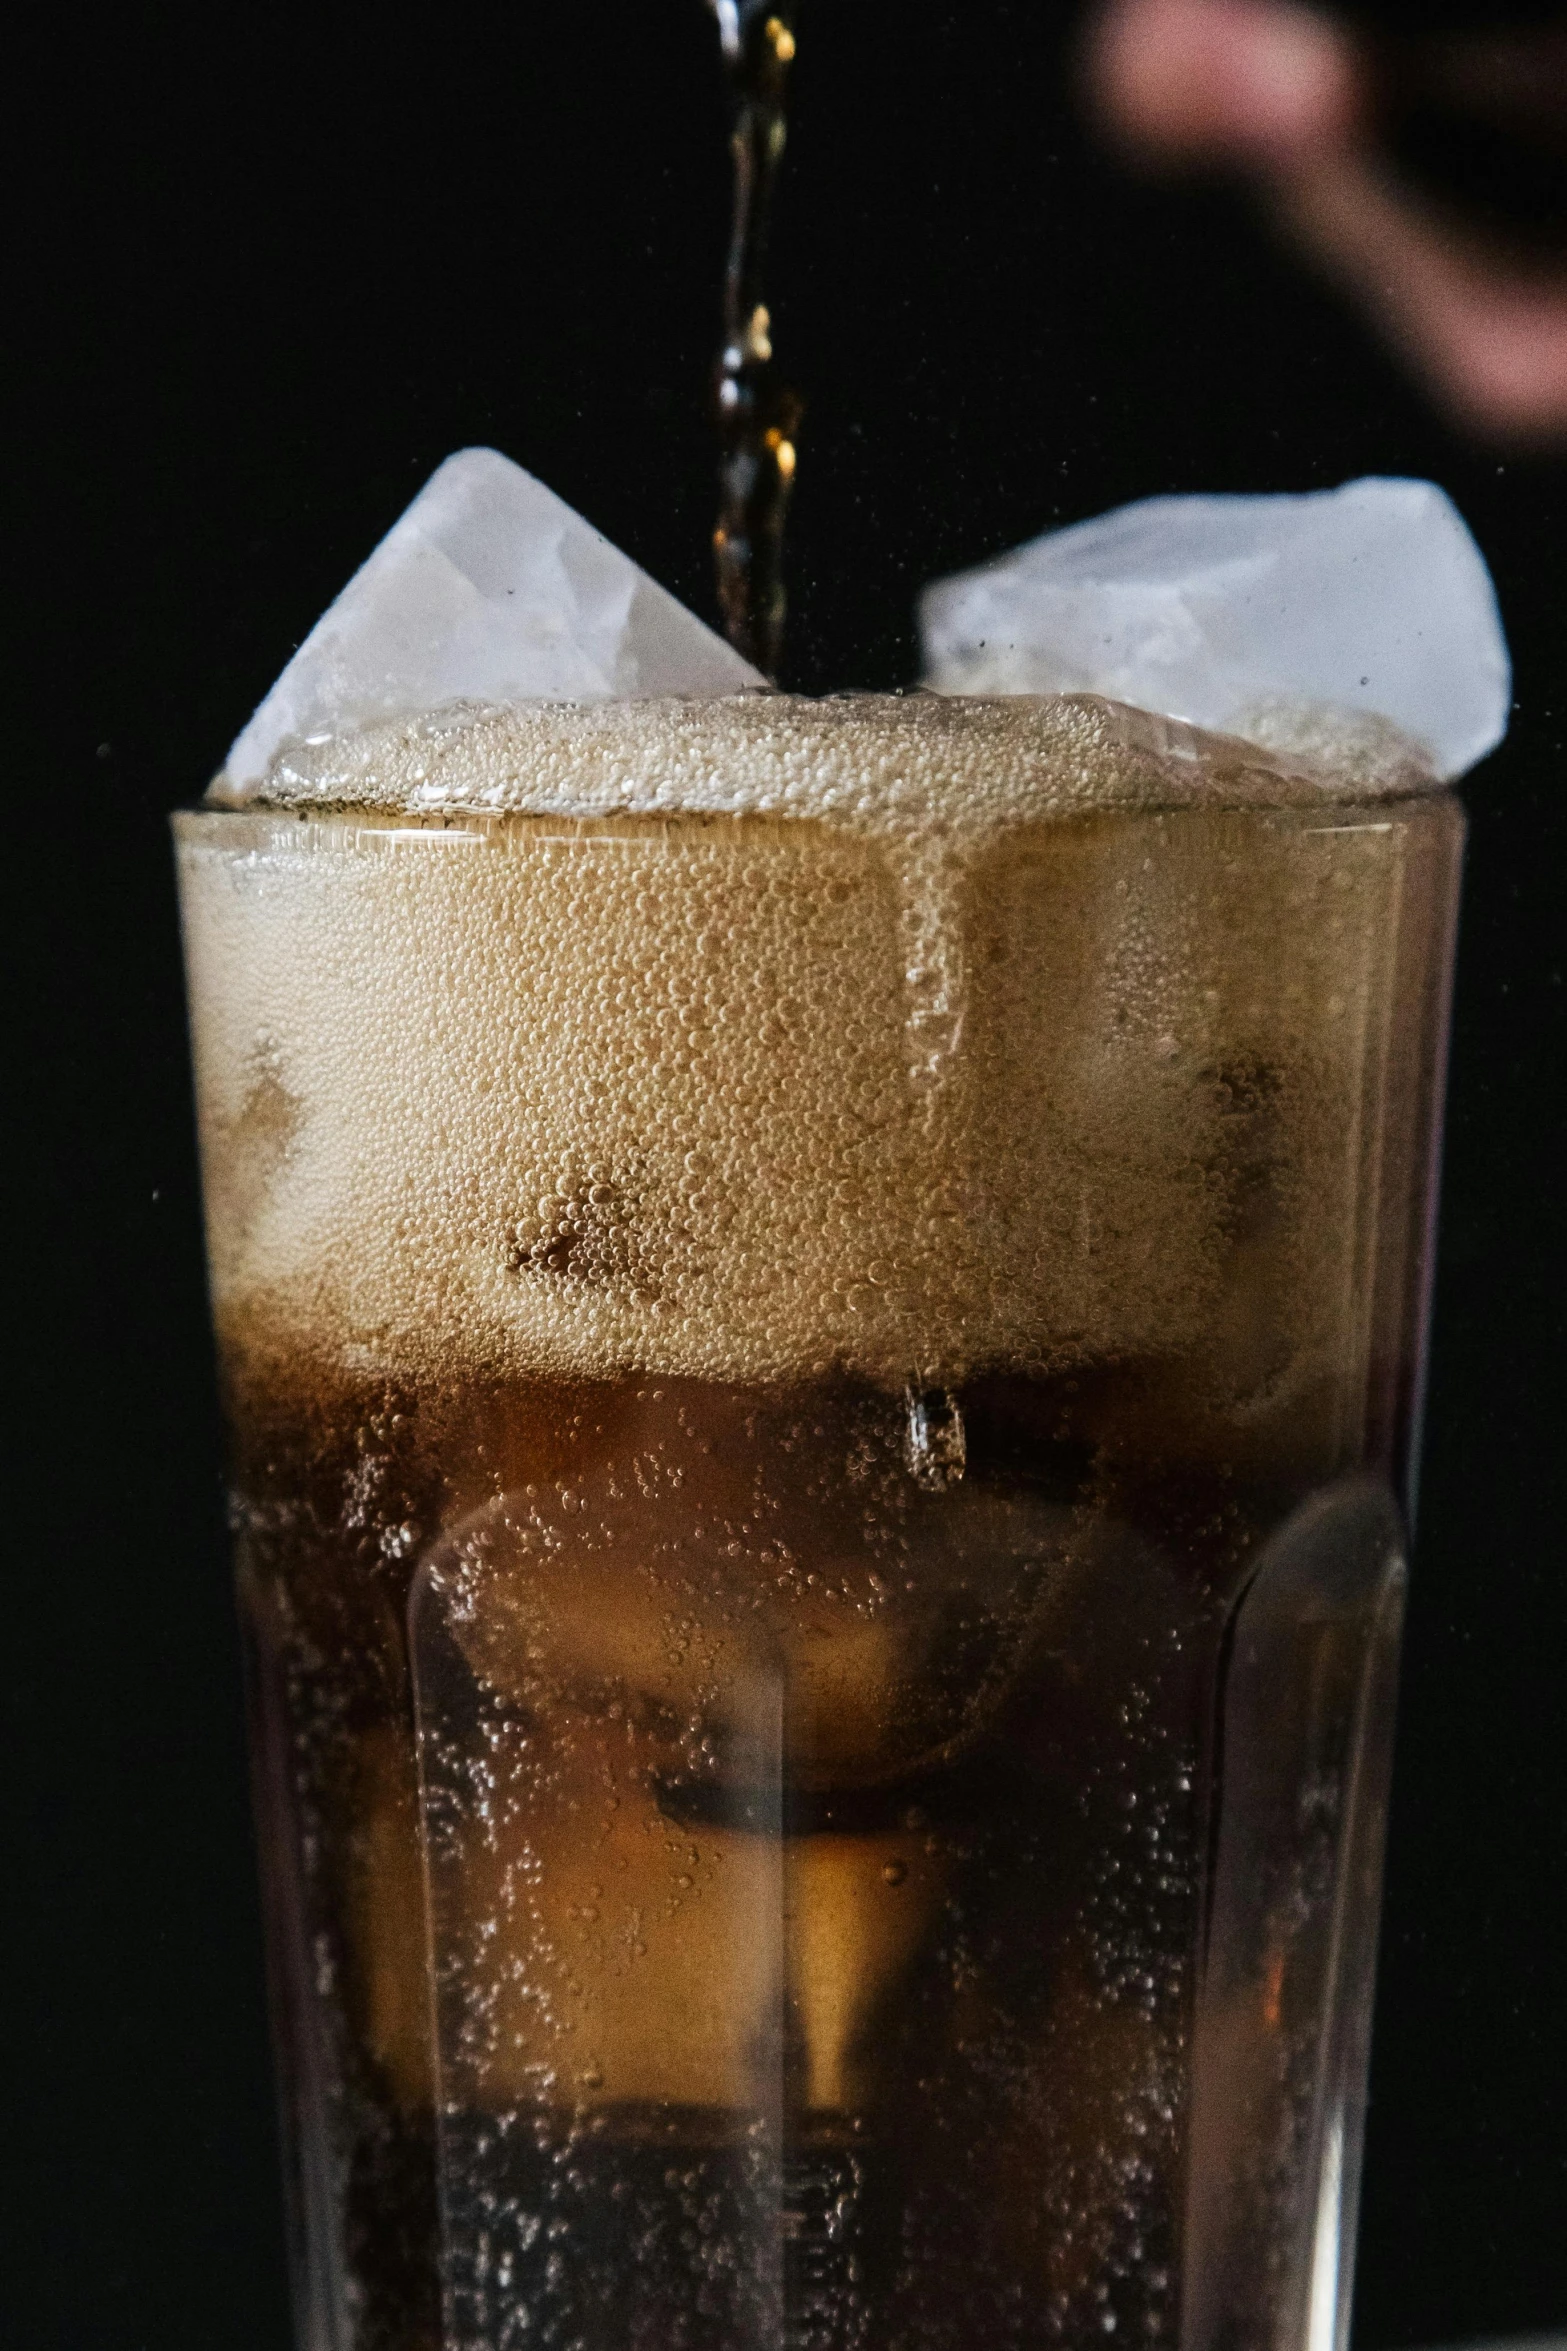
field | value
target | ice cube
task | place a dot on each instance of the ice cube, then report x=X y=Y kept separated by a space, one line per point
x=1256 y=616
x=487 y=589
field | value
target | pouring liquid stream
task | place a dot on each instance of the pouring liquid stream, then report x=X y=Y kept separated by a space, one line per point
x=758 y=413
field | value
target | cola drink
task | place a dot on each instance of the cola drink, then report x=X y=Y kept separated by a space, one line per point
x=820 y=1307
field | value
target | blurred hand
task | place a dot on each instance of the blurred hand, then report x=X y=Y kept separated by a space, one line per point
x=1284 y=93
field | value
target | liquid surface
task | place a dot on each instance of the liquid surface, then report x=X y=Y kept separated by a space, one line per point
x=899 y=767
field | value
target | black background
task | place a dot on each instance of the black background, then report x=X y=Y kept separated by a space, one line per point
x=272 y=271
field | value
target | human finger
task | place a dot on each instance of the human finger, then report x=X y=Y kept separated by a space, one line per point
x=1249 y=81
x=1488 y=332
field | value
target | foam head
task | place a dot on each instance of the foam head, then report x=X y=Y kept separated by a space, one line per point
x=1296 y=621
x=489 y=589
x=756 y=1039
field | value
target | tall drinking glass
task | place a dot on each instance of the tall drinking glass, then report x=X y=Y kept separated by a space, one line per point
x=820 y=1307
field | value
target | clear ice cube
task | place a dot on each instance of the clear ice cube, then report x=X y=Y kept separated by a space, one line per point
x=487 y=589
x=1259 y=616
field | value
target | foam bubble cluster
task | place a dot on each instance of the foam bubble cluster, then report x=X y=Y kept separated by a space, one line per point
x=760 y=1039
x=890 y=764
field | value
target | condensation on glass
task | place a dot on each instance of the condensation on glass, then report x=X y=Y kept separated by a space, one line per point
x=820 y=1425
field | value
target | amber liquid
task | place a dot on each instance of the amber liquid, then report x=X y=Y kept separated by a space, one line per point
x=817 y=1824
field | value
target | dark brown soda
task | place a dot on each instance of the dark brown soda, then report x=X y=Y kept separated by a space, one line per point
x=989 y=1851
